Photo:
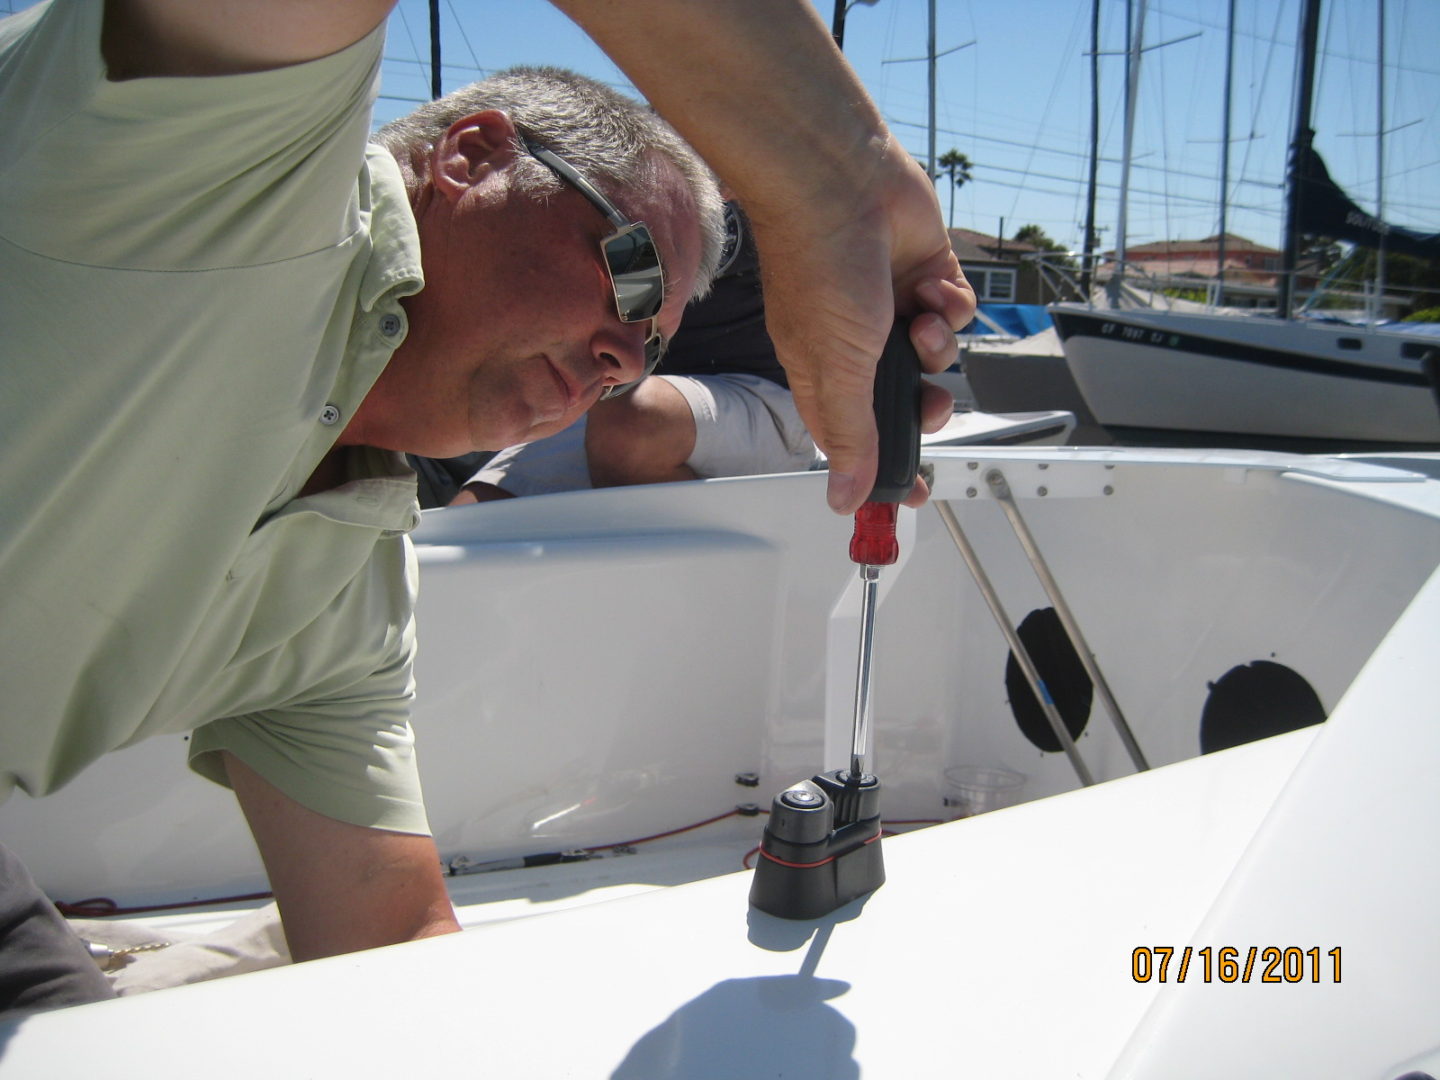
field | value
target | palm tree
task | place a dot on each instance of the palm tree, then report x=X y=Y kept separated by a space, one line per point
x=957 y=166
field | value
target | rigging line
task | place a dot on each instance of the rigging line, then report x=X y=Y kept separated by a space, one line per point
x=463 y=36
x=405 y=24
x=1274 y=37
x=895 y=123
x=623 y=87
x=1203 y=200
x=1408 y=149
x=1390 y=174
x=1259 y=98
x=1352 y=99
x=1076 y=26
x=1157 y=74
x=449 y=65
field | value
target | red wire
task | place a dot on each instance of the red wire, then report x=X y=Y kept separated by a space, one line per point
x=98 y=907
x=671 y=832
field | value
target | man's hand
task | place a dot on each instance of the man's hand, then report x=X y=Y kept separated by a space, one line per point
x=341 y=887
x=832 y=290
x=847 y=224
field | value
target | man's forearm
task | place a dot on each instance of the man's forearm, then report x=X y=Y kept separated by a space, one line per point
x=341 y=887
x=847 y=224
x=756 y=86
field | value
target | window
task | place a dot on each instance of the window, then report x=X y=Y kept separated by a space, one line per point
x=996 y=285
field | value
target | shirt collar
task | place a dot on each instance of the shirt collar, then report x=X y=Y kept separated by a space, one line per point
x=395 y=241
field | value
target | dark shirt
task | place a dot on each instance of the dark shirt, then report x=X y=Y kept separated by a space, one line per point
x=725 y=332
x=440 y=478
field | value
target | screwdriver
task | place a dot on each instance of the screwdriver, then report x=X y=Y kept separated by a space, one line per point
x=873 y=545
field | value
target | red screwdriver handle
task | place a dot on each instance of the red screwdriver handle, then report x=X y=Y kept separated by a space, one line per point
x=897 y=419
x=874 y=542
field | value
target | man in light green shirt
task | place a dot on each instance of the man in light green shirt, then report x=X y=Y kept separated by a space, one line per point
x=220 y=332
x=224 y=318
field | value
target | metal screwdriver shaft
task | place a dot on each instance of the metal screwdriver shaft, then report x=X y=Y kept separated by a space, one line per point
x=897 y=419
x=821 y=845
x=873 y=546
x=860 y=737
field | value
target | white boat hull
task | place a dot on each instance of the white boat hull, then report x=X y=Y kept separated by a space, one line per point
x=598 y=666
x=1237 y=375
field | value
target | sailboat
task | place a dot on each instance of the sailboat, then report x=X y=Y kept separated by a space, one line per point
x=1240 y=378
x=615 y=686
x=1224 y=818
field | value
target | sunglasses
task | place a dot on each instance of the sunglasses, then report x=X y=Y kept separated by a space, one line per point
x=631 y=259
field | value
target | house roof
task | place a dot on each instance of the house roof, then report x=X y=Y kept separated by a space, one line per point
x=1233 y=245
x=1202 y=265
x=972 y=246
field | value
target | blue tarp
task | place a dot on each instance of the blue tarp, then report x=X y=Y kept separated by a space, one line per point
x=1022 y=320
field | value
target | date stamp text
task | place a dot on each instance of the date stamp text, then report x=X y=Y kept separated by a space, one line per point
x=1232 y=964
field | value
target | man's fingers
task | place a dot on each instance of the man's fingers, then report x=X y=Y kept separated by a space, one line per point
x=953 y=301
x=934 y=342
x=937 y=405
x=919 y=494
x=852 y=463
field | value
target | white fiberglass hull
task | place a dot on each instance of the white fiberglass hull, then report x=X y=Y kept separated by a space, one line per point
x=599 y=666
x=1240 y=375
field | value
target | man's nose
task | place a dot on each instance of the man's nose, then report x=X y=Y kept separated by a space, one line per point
x=621 y=352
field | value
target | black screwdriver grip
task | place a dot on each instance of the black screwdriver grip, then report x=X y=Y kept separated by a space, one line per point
x=897 y=416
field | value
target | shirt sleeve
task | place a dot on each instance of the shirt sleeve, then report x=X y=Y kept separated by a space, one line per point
x=350 y=757
x=176 y=173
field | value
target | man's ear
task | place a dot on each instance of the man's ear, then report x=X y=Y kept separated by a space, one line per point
x=471 y=148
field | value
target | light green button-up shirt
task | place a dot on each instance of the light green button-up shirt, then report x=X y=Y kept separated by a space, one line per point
x=201 y=281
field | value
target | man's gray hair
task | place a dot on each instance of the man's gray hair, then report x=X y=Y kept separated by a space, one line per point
x=610 y=138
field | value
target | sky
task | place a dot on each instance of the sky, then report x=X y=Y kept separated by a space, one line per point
x=1014 y=96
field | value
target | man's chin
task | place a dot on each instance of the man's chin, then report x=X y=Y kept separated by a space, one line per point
x=552 y=427
x=514 y=431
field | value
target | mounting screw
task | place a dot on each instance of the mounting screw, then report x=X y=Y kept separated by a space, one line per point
x=1109 y=490
x=748 y=809
x=972 y=465
x=970 y=493
x=1042 y=491
x=747 y=779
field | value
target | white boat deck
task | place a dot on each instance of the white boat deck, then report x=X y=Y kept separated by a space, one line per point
x=1000 y=946
x=1000 y=978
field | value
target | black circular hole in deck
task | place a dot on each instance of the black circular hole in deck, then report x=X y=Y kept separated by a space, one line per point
x=1254 y=701
x=1062 y=672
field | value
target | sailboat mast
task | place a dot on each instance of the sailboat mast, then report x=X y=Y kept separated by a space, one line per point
x=1299 y=149
x=930 y=59
x=1225 y=155
x=1132 y=92
x=1380 y=173
x=434 y=49
x=1089 y=247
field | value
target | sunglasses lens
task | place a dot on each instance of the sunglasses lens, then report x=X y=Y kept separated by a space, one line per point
x=634 y=266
